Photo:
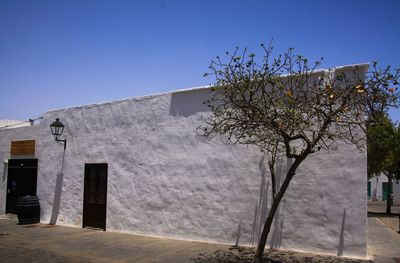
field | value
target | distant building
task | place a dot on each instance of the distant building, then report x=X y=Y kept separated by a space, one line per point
x=378 y=188
x=7 y=124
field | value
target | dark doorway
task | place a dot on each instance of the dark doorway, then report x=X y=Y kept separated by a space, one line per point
x=369 y=189
x=21 y=180
x=95 y=195
x=386 y=190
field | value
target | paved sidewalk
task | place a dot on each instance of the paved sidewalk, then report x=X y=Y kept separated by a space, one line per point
x=44 y=243
x=383 y=242
x=392 y=222
x=380 y=207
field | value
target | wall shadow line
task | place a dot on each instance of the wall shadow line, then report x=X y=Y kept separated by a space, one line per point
x=5 y=170
x=341 y=235
x=57 y=194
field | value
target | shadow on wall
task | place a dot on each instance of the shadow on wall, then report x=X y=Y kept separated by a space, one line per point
x=188 y=103
x=5 y=169
x=341 y=235
x=276 y=237
x=261 y=209
x=57 y=194
x=238 y=234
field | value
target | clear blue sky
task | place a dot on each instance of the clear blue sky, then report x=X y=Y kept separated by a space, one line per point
x=57 y=54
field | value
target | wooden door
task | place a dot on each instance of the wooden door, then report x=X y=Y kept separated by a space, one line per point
x=21 y=180
x=95 y=196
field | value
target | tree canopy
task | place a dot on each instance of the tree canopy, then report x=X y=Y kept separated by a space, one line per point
x=288 y=108
x=383 y=147
x=384 y=152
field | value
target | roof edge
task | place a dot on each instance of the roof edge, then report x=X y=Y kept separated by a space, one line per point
x=363 y=66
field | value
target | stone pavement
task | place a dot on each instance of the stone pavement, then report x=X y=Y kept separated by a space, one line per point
x=383 y=238
x=392 y=222
x=380 y=207
x=383 y=242
x=45 y=243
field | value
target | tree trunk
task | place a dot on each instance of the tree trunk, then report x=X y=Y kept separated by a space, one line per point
x=267 y=227
x=388 y=201
x=258 y=257
x=273 y=178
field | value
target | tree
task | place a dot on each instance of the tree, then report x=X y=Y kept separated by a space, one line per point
x=384 y=152
x=287 y=108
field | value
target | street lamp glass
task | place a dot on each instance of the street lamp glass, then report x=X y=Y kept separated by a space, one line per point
x=57 y=128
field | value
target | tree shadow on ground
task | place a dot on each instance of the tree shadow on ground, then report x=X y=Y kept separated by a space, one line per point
x=233 y=255
x=245 y=255
x=382 y=214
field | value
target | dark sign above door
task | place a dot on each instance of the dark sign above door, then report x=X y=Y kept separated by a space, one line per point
x=23 y=148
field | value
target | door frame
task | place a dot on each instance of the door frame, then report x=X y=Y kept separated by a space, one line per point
x=13 y=165
x=85 y=194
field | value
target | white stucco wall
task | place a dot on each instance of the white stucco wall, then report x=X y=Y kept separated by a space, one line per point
x=163 y=180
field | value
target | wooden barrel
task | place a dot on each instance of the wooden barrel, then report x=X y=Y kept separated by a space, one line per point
x=28 y=209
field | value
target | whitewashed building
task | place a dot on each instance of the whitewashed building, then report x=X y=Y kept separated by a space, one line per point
x=137 y=166
x=8 y=124
x=378 y=188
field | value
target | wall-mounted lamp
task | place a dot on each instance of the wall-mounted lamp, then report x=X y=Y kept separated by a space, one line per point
x=57 y=128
